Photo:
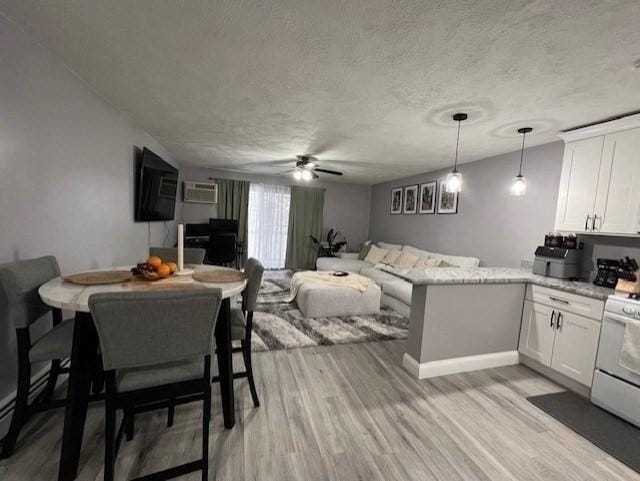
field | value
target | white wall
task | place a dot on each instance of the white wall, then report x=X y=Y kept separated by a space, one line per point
x=66 y=172
x=346 y=206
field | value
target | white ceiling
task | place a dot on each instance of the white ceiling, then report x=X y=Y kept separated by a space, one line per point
x=367 y=85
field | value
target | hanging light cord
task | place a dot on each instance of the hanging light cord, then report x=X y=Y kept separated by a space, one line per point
x=455 y=162
x=521 y=154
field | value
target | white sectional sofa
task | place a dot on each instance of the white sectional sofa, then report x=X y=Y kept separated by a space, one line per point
x=396 y=292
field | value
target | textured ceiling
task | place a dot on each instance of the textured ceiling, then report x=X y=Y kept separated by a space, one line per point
x=366 y=85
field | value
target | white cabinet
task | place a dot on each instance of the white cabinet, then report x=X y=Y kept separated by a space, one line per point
x=558 y=337
x=617 y=208
x=600 y=181
x=578 y=184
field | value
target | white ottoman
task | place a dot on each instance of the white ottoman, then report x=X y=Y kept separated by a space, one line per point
x=321 y=300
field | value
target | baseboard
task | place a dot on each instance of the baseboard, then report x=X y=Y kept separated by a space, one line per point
x=459 y=364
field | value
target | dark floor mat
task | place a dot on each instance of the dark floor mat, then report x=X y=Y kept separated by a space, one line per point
x=613 y=435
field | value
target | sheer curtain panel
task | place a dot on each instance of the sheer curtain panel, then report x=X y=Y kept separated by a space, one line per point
x=268 y=223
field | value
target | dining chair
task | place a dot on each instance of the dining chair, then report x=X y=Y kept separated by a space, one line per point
x=155 y=346
x=192 y=255
x=21 y=305
x=242 y=323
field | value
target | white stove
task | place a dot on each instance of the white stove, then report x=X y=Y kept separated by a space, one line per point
x=615 y=388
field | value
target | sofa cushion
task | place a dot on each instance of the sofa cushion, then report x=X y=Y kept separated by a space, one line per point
x=364 y=251
x=399 y=289
x=391 y=257
x=458 y=261
x=337 y=264
x=378 y=276
x=407 y=260
x=385 y=245
x=375 y=255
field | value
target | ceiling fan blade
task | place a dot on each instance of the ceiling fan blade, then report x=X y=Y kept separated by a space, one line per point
x=332 y=172
x=315 y=176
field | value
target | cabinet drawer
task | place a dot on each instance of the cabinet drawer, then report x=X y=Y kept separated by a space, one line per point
x=584 y=306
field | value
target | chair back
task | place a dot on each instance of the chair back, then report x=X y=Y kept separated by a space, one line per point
x=254 y=271
x=192 y=255
x=146 y=328
x=20 y=302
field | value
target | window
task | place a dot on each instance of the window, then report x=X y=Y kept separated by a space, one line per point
x=268 y=223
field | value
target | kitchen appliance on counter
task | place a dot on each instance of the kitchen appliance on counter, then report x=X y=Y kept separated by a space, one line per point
x=616 y=388
x=628 y=277
x=560 y=262
x=607 y=275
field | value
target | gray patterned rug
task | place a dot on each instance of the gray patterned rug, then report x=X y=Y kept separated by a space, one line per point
x=280 y=325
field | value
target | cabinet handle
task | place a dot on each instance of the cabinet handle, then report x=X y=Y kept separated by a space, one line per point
x=553 y=317
x=559 y=323
x=593 y=224
x=557 y=299
x=586 y=222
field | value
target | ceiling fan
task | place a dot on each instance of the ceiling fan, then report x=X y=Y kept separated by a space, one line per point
x=306 y=168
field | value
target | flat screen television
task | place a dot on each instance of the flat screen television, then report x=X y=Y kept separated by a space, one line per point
x=157 y=187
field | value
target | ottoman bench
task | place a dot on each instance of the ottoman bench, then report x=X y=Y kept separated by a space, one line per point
x=326 y=300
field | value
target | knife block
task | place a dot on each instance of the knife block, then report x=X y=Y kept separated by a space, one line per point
x=629 y=287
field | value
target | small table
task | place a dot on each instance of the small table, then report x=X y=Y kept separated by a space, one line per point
x=67 y=296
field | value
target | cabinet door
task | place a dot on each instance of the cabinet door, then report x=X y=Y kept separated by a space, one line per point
x=578 y=184
x=618 y=198
x=576 y=344
x=536 y=332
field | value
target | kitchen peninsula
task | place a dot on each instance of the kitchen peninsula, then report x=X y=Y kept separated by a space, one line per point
x=468 y=319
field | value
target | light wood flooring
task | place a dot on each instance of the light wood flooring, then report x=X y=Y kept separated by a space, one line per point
x=347 y=412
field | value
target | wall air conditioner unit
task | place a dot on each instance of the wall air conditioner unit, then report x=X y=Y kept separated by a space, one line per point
x=200 y=192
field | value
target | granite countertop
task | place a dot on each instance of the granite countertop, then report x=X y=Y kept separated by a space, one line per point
x=495 y=275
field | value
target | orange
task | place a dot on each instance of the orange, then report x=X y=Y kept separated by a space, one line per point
x=154 y=261
x=163 y=270
x=172 y=266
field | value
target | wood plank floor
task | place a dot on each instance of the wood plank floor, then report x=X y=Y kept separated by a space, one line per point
x=347 y=412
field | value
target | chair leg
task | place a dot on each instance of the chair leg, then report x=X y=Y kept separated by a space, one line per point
x=109 y=440
x=20 y=411
x=246 y=355
x=97 y=383
x=52 y=381
x=171 y=413
x=130 y=424
x=206 y=420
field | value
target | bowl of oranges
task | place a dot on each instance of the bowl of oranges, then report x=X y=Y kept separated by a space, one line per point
x=154 y=268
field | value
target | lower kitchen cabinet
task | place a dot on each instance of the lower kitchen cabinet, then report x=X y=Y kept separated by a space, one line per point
x=560 y=339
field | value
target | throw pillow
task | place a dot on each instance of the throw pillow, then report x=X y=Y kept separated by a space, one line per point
x=386 y=245
x=429 y=262
x=375 y=255
x=407 y=260
x=364 y=251
x=391 y=257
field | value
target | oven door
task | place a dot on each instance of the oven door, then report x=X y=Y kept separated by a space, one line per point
x=611 y=336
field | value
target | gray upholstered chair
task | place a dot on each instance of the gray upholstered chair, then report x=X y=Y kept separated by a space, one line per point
x=242 y=322
x=192 y=255
x=156 y=346
x=20 y=304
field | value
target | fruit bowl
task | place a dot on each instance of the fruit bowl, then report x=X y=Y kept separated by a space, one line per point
x=154 y=269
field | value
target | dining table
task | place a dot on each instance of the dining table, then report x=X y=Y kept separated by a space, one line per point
x=68 y=296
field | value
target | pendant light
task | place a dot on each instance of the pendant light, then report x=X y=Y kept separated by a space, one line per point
x=454 y=179
x=519 y=186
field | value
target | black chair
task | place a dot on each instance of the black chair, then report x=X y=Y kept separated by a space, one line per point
x=21 y=305
x=156 y=346
x=223 y=245
x=242 y=323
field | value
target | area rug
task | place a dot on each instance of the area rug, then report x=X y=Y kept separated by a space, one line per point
x=278 y=324
x=610 y=433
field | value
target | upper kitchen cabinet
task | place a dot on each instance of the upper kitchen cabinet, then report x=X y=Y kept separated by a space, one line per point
x=600 y=180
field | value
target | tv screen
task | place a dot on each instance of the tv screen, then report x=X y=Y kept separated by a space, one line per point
x=157 y=188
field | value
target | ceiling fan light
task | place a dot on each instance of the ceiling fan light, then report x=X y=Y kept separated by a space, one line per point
x=454 y=182
x=297 y=174
x=306 y=175
x=519 y=186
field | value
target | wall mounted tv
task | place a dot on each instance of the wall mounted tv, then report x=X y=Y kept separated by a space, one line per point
x=157 y=186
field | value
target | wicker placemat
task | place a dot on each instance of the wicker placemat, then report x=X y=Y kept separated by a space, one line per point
x=98 y=278
x=219 y=276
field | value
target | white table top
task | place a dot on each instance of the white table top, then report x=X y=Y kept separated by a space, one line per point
x=73 y=297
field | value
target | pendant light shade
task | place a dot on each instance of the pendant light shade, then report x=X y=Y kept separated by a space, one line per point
x=453 y=183
x=519 y=186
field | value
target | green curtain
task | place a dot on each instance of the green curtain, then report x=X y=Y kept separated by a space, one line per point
x=233 y=203
x=305 y=220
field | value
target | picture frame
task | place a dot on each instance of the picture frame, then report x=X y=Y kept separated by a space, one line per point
x=447 y=201
x=410 y=199
x=396 y=201
x=427 y=198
